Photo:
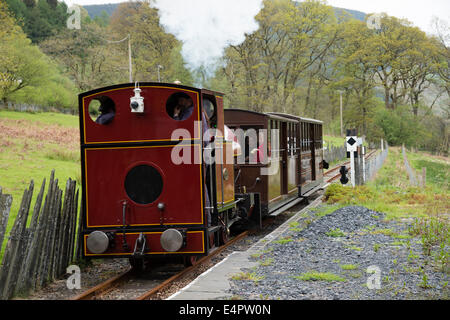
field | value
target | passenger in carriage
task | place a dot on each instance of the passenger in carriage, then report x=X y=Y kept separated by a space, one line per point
x=183 y=109
x=107 y=112
x=259 y=154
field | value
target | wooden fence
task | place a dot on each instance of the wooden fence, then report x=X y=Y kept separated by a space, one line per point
x=39 y=252
x=332 y=154
x=417 y=179
x=25 y=107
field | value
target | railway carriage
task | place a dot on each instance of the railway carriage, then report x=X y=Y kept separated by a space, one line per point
x=293 y=166
x=310 y=152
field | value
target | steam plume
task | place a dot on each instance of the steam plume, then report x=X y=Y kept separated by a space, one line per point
x=207 y=27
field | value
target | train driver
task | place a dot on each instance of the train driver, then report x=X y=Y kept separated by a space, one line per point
x=183 y=109
x=107 y=112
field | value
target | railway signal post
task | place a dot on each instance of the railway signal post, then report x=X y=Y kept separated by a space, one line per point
x=352 y=147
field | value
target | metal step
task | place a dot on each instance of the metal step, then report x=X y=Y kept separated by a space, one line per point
x=285 y=207
x=213 y=229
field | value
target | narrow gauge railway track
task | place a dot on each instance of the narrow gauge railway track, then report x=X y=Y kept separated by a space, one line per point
x=100 y=291
x=330 y=175
x=143 y=286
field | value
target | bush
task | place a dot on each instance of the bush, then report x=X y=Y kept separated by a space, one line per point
x=400 y=126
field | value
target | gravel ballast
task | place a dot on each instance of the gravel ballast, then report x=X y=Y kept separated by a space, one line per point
x=334 y=256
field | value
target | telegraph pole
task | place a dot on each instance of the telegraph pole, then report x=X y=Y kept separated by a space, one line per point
x=129 y=58
x=342 y=130
x=159 y=76
x=129 y=53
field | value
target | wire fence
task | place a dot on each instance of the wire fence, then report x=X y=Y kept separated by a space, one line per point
x=25 y=107
x=416 y=179
x=332 y=154
x=365 y=169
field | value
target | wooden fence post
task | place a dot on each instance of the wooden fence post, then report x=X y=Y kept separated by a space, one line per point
x=14 y=249
x=5 y=206
x=43 y=221
x=424 y=177
x=25 y=276
x=40 y=253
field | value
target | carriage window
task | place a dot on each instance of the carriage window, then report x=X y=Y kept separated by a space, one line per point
x=210 y=110
x=102 y=110
x=289 y=141
x=179 y=106
x=253 y=139
x=293 y=151
x=303 y=137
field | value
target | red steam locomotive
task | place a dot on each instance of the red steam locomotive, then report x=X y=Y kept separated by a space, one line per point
x=166 y=171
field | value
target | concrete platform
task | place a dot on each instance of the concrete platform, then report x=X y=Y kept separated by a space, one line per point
x=214 y=283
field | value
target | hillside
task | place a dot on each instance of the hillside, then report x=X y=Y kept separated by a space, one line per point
x=96 y=9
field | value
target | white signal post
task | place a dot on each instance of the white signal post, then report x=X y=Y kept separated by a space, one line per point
x=352 y=146
x=363 y=152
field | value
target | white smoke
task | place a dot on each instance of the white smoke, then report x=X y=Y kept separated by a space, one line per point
x=207 y=27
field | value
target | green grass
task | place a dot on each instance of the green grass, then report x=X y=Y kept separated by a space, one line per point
x=283 y=241
x=248 y=276
x=320 y=276
x=44 y=118
x=335 y=233
x=390 y=192
x=349 y=266
x=437 y=170
x=333 y=140
x=32 y=145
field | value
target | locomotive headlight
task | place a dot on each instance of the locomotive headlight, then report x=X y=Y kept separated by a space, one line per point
x=172 y=240
x=137 y=102
x=97 y=242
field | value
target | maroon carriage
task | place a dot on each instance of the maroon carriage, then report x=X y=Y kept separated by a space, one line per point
x=293 y=165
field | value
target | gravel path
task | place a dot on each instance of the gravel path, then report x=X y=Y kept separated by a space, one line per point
x=328 y=256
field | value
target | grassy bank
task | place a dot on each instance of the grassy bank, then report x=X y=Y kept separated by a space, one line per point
x=32 y=145
x=426 y=210
x=390 y=191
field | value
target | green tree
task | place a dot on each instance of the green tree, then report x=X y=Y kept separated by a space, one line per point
x=39 y=19
x=266 y=70
x=151 y=45
x=83 y=53
x=24 y=69
x=356 y=74
x=22 y=64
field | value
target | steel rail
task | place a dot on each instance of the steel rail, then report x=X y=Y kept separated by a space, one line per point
x=116 y=281
x=104 y=287
x=367 y=156
x=166 y=283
